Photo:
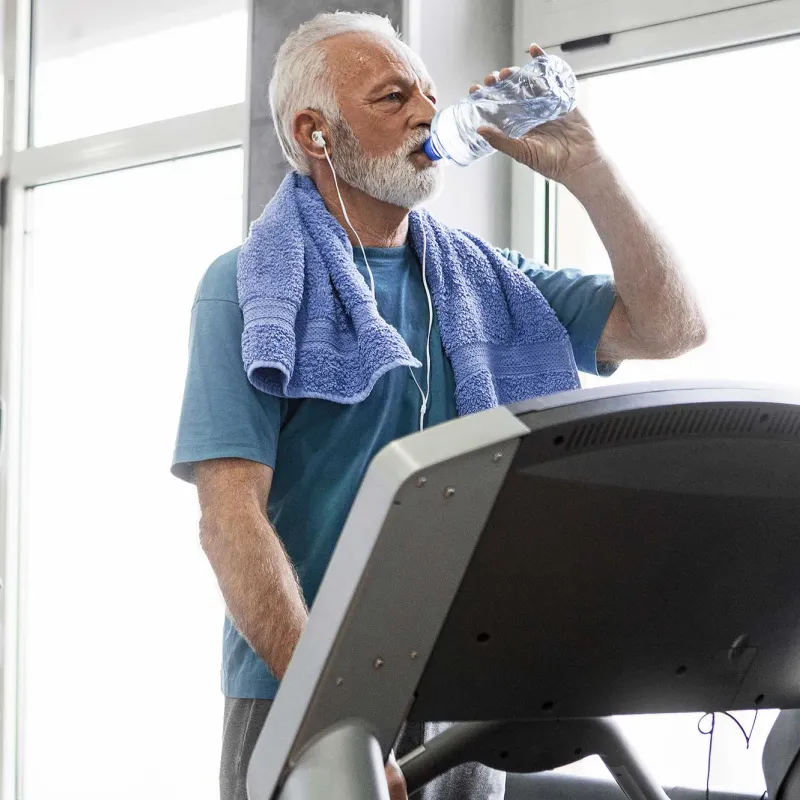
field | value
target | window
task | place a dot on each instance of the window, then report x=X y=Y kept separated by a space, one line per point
x=705 y=144
x=122 y=618
x=101 y=66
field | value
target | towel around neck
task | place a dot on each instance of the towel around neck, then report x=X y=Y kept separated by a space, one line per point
x=312 y=327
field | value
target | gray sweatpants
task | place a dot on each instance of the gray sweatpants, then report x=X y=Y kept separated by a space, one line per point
x=244 y=720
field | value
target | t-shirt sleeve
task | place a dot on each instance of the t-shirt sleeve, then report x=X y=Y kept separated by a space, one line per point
x=581 y=302
x=223 y=415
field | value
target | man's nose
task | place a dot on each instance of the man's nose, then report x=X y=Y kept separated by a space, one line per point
x=424 y=109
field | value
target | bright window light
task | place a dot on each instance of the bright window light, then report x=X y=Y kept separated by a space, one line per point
x=122 y=622
x=99 y=77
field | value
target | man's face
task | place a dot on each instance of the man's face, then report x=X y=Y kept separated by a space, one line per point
x=386 y=106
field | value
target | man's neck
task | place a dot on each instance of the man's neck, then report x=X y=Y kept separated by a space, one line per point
x=378 y=224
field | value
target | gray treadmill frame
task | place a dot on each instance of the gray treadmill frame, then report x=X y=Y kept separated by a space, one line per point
x=348 y=666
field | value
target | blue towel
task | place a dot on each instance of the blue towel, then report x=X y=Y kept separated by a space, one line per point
x=312 y=327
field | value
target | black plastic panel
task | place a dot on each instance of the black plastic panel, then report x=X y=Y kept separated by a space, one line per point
x=647 y=563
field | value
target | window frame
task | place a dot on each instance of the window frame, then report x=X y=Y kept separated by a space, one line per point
x=23 y=167
x=669 y=39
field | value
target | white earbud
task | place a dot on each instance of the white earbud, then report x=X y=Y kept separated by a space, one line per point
x=318 y=139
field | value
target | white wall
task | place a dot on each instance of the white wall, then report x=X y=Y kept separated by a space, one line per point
x=461 y=41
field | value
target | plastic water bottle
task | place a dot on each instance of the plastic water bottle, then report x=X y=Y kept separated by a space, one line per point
x=540 y=92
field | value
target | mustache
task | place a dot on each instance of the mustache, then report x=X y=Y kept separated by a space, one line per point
x=414 y=143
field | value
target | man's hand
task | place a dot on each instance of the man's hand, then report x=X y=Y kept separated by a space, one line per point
x=656 y=314
x=559 y=150
x=395 y=779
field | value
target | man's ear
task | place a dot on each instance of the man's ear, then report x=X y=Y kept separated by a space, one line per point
x=306 y=123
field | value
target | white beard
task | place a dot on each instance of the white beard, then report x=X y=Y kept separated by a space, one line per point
x=392 y=179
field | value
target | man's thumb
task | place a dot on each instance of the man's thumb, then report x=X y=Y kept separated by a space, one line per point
x=498 y=140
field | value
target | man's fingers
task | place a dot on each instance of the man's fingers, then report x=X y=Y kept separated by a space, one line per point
x=496 y=139
x=395 y=779
x=499 y=75
x=490 y=133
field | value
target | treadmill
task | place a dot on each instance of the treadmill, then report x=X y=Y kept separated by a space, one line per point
x=529 y=571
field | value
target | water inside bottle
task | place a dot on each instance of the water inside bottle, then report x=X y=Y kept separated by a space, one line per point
x=525 y=100
x=449 y=137
x=542 y=91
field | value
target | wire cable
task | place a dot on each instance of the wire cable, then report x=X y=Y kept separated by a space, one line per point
x=427 y=393
x=710 y=734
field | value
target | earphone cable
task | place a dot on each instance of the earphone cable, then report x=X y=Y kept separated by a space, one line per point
x=347 y=218
x=425 y=395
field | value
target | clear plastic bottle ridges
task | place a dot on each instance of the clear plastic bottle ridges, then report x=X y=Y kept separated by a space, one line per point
x=542 y=91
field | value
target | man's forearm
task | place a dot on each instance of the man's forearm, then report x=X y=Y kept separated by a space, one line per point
x=259 y=585
x=659 y=304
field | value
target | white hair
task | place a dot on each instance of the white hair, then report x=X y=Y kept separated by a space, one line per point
x=300 y=78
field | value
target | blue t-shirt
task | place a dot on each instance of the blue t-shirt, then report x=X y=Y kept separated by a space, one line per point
x=320 y=450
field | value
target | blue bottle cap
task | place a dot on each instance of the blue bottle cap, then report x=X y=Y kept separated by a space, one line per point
x=431 y=151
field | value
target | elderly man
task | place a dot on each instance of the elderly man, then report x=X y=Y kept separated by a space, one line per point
x=318 y=342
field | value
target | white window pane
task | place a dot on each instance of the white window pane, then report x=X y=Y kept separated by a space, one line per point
x=101 y=66
x=123 y=619
x=705 y=144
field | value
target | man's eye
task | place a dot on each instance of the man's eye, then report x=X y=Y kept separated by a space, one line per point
x=393 y=96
